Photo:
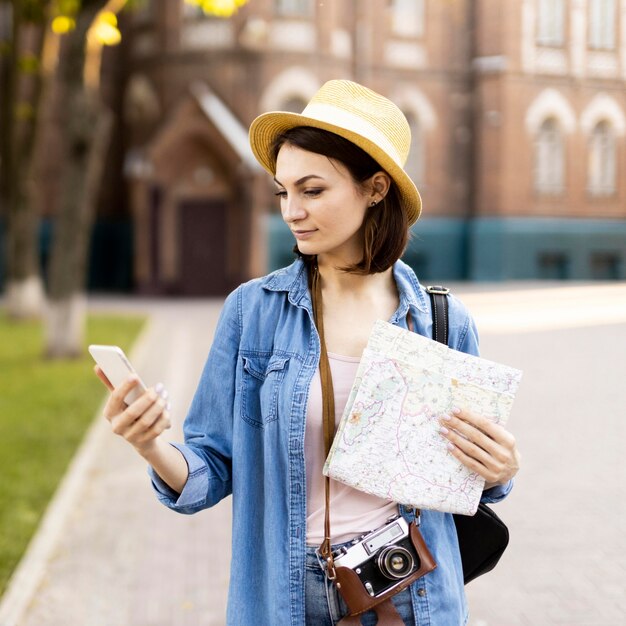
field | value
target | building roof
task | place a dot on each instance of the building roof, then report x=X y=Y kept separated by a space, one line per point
x=225 y=122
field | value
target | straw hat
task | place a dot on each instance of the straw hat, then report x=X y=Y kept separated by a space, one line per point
x=358 y=114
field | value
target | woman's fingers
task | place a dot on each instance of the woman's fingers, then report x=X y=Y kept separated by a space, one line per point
x=146 y=419
x=152 y=432
x=481 y=445
x=116 y=403
x=143 y=420
x=100 y=374
x=122 y=417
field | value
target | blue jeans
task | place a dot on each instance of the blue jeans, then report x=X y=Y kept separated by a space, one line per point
x=324 y=605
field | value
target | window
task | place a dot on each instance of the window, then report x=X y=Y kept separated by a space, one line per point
x=414 y=166
x=192 y=11
x=606 y=266
x=602 y=22
x=601 y=164
x=551 y=22
x=549 y=159
x=407 y=17
x=553 y=265
x=294 y=8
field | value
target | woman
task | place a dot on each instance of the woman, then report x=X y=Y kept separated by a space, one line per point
x=255 y=425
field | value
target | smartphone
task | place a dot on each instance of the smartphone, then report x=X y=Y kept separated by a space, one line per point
x=117 y=368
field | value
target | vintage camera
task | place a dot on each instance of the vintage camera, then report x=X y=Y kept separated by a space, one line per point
x=383 y=558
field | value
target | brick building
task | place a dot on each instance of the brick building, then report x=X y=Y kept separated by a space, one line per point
x=518 y=113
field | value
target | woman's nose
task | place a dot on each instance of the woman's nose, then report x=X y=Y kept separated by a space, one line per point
x=292 y=209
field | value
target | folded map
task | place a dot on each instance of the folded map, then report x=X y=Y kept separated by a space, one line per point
x=388 y=441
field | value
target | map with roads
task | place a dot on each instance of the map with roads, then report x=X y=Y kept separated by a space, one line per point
x=388 y=441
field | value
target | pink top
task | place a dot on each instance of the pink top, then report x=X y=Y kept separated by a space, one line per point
x=352 y=512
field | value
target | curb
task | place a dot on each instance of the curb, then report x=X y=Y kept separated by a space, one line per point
x=30 y=571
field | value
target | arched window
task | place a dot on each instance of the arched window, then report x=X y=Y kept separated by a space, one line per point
x=414 y=166
x=294 y=8
x=551 y=22
x=407 y=17
x=601 y=165
x=602 y=24
x=549 y=159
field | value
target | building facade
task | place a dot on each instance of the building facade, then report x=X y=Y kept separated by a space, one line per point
x=517 y=110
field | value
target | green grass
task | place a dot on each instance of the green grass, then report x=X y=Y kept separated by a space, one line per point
x=45 y=408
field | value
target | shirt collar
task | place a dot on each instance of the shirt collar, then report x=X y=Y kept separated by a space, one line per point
x=411 y=293
x=293 y=279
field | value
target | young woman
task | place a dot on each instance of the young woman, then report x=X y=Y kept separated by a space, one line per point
x=254 y=429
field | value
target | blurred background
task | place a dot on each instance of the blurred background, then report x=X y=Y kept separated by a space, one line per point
x=125 y=173
x=137 y=112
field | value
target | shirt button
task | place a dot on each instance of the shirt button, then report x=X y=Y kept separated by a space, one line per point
x=421 y=592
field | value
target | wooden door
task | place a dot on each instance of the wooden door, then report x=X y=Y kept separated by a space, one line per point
x=203 y=247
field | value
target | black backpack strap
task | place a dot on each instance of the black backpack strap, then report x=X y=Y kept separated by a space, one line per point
x=482 y=537
x=439 y=301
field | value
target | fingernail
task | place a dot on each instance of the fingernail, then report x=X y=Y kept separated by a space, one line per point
x=456 y=410
x=159 y=388
x=450 y=446
x=168 y=406
x=443 y=430
x=164 y=394
x=446 y=417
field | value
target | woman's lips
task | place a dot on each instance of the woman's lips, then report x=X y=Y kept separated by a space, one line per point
x=303 y=234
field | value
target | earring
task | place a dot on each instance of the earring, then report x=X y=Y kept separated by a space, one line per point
x=373 y=203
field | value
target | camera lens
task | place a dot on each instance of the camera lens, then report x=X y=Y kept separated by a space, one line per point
x=395 y=562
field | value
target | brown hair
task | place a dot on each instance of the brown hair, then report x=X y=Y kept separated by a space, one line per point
x=385 y=227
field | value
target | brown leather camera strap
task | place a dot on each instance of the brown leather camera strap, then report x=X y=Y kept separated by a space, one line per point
x=328 y=408
x=385 y=611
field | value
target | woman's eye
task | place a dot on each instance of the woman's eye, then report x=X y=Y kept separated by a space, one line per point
x=313 y=193
x=281 y=193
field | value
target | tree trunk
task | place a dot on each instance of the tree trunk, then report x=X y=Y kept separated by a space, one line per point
x=88 y=126
x=66 y=308
x=18 y=129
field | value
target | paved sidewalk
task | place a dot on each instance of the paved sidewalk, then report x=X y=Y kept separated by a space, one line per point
x=566 y=564
x=110 y=555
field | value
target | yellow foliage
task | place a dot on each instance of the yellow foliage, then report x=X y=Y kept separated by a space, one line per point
x=108 y=17
x=219 y=8
x=104 y=29
x=63 y=24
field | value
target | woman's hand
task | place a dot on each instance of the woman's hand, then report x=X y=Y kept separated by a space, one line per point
x=481 y=445
x=141 y=422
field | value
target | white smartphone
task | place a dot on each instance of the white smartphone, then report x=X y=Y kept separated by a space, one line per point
x=117 y=368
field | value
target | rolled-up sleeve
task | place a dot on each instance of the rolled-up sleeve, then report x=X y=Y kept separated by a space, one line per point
x=194 y=492
x=497 y=493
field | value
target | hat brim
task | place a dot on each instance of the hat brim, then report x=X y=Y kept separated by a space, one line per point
x=265 y=128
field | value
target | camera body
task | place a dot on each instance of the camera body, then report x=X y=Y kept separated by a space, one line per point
x=382 y=558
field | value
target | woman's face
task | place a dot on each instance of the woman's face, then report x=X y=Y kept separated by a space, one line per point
x=321 y=204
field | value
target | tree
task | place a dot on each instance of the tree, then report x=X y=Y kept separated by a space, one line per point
x=21 y=88
x=34 y=25
x=88 y=126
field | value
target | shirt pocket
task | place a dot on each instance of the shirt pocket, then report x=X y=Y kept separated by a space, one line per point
x=261 y=380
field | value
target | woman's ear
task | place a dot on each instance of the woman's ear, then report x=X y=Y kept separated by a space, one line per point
x=379 y=185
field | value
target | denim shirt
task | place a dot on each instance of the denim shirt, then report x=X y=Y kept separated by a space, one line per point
x=244 y=435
